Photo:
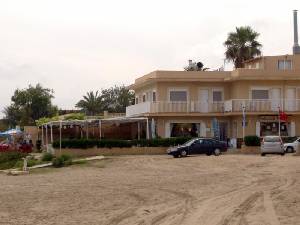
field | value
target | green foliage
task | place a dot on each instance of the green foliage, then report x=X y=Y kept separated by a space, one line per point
x=47 y=157
x=74 y=116
x=44 y=120
x=114 y=99
x=30 y=163
x=30 y=104
x=252 y=140
x=9 y=159
x=105 y=143
x=242 y=45
x=63 y=160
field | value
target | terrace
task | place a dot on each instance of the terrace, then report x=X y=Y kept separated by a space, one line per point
x=233 y=105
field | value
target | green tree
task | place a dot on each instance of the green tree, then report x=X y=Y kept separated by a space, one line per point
x=30 y=104
x=91 y=103
x=242 y=45
x=114 y=99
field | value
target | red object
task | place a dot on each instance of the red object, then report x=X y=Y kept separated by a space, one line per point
x=4 y=147
x=283 y=116
x=25 y=148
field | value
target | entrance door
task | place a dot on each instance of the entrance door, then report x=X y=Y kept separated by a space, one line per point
x=223 y=131
x=290 y=103
x=275 y=99
x=203 y=98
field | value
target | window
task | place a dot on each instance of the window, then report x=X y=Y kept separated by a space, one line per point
x=178 y=96
x=260 y=94
x=144 y=97
x=154 y=96
x=217 y=96
x=284 y=64
x=136 y=100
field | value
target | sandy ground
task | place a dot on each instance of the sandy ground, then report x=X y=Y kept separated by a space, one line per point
x=230 y=189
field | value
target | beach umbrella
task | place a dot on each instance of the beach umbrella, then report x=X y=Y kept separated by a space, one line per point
x=11 y=132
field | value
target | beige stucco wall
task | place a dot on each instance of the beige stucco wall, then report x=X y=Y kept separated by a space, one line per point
x=33 y=132
x=193 y=89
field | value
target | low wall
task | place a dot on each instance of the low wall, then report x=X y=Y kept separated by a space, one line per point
x=250 y=149
x=112 y=151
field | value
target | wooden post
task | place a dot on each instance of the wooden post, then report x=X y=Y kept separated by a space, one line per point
x=46 y=134
x=147 y=128
x=100 y=129
x=87 y=129
x=139 y=131
x=51 y=130
x=60 y=125
x=42 y=136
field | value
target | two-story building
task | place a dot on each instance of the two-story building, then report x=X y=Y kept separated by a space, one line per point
x=210 y=103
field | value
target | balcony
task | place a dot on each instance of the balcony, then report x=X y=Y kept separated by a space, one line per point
x=267 y=105
x=226 y=107
x=175 y=107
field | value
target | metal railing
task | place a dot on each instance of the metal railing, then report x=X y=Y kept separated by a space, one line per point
x=233 y=105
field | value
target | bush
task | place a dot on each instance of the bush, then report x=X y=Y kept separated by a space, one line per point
x=9 y=159
x=63 y=160
x=47 y=157
x=58 y=162
x=30 y=163
x=252 y=140
x=106 y=143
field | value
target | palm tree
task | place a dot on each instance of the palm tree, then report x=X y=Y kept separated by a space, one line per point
x=91 y=103
x=242 y=45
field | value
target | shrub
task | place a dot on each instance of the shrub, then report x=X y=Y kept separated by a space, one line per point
x=9 y=159
x=63 y=160
x=252 y=140
x=106 y=143
x=58 y=162
x=30 y=163
x=47 y=157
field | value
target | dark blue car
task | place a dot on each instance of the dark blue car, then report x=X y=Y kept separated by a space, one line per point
x=208 y=146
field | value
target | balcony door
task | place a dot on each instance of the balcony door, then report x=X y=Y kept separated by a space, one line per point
x=275 y=97
x=203 y=100
x=290 y=103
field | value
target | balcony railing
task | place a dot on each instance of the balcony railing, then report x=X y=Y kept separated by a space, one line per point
x=233 y=105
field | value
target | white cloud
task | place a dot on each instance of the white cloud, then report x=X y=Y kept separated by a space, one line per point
x=76 y=46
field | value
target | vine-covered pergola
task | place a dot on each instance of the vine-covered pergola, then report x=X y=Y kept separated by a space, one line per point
x=47 y=128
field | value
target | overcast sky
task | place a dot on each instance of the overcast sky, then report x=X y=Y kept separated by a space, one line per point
x=74 y=46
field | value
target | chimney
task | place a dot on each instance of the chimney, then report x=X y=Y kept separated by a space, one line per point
x=296 y=47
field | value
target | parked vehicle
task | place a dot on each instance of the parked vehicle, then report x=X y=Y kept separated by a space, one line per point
x=272 y=145
x=291 y=147
x=206 y=146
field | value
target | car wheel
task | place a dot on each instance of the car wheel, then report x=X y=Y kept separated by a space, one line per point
x=263 y=154
x=289 y=149
x=175 y=155
x=183 y=153
x=217 y=152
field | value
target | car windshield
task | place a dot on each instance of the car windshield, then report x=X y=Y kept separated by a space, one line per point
x=188 y=143
x=272 y=139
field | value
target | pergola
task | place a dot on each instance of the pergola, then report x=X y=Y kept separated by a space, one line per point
x=85 y=123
